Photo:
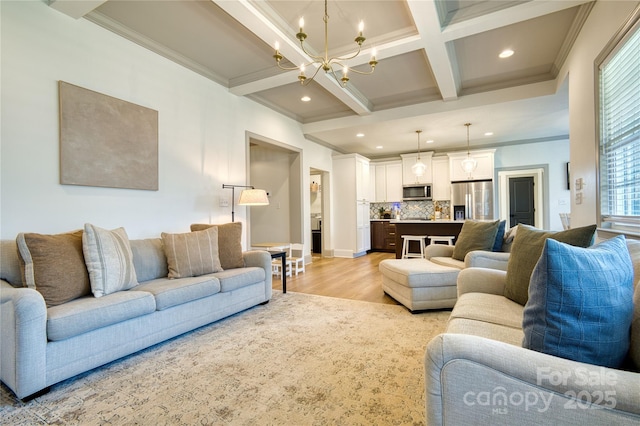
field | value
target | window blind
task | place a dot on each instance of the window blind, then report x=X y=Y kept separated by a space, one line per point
x=620 y=132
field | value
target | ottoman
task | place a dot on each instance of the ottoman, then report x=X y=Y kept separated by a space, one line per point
x=419 y=284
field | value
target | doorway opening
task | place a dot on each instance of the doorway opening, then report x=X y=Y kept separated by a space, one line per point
x=318 y=206
x=276 y=168
x=521 y=196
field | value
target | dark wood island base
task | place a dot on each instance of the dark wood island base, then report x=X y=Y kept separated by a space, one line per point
x=424 y=227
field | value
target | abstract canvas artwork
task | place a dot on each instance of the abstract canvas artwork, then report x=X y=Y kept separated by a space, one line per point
x=106 y=142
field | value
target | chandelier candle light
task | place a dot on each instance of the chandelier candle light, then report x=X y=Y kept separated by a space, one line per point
x=325 y=62
x=419 y=168
x=469 y=164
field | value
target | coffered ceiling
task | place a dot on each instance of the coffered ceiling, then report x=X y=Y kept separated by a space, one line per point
x=438 y=64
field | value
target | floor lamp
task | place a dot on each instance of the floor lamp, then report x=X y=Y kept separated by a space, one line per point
x=248 y=197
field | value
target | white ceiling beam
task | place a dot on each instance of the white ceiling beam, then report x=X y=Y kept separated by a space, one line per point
x=511 y=15
x=425 y=16
x=75 y=8
x=252 y=19
x=435 y=107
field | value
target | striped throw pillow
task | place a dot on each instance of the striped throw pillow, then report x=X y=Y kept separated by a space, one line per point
x=109 y=260
x=192 y=254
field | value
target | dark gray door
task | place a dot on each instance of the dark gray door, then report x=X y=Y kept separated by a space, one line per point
x=521 y=208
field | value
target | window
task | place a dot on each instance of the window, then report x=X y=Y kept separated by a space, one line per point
x=619 y=132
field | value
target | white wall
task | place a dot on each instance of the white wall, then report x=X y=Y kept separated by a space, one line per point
x=554 y=154
x=606 y=17
x=271 y=168
x=202 y=130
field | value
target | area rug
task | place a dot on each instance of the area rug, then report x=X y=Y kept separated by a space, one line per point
x=298 y=360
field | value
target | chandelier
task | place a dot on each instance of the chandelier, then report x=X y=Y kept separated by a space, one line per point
x=469 y=164
x=419 y=168
x=325 y=62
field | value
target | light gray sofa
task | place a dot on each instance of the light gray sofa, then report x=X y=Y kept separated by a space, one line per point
x=41 y=346
x=478 y=373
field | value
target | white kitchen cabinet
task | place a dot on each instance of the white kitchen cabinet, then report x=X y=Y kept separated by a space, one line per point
x=409 y=160
x=351 y=225
x=441 y=189
x=363 y=233
x=388 y=181
x=484 y=170
x=394 y=182
x=373 y=181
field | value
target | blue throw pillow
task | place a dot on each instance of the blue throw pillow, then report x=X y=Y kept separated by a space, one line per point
x=497 y=244
x=581 y=302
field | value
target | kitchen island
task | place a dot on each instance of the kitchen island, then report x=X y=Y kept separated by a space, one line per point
x=443 y=227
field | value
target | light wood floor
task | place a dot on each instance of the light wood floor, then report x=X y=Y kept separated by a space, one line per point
x=356 y=279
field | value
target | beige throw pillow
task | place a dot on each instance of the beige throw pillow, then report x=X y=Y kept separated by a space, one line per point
x=526 y=250
x=54 y=266
x=475 y=236
x=109 y=260
x=229 y=243
x=192 y=254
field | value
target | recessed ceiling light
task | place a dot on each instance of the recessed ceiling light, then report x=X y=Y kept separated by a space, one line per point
x=305 y=99
x=379 y=147
x=430 y=141
x=360 y=135
x=506 y=53
x=489 y=134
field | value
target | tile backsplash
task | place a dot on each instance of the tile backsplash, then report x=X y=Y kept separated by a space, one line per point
x=410 y=209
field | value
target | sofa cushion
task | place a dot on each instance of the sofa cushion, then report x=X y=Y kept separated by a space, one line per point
x=54 y=266
x=149 y=259
x=581 y=303
x=233 y=279
x=447 y=261
x=192 y=254
x=489 y=308
x=525 y=252
x=229 y=243
x=501 y=333
x=416 y=273
x=173 y=292
x=10 y=263
x=109 y=260
x=89 y=313
x=475 y=235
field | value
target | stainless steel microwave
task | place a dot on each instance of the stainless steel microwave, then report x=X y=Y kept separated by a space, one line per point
x=416 y=192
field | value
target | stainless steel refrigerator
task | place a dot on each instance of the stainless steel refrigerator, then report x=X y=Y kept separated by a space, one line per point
x=472 y=199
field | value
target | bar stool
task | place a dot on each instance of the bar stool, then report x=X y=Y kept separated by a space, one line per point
x=441 y=239
x=406 y=254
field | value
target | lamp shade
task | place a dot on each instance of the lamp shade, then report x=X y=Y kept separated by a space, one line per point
x=253 y=197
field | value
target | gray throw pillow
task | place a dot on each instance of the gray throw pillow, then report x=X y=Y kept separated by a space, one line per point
x=526 y=250
x=475 y=235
